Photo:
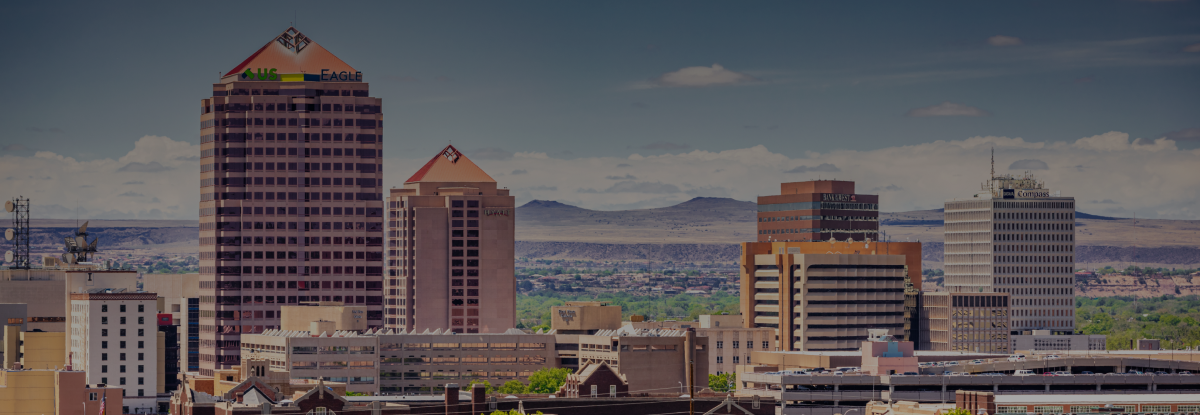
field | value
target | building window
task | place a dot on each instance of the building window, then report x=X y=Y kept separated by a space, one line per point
x=720 y=359
x=766 y=345
x=103 y=320
x=104 y=332
x=320 y=410
x=141 y=356
x=121 y=381
x=122 y=318
x=103 y=356
x=735 y=344
x=141 y=392
x=735 y=360
x=104 y=308
x=749 y=344
x=122 y=308
x=104 y=380
x=122 y=332
x=141 y=344
x=103 y=368
x=92 y=396
x=141 y=320
x=141 y=332
x=122 y=345
x=103 y=345
x=720 y=345
x=141 y=381
x=141 y=308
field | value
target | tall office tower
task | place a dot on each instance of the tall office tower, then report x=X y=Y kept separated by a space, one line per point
x=816 y=211
x=1015 y=237
x=291 y=208
x=825 y=295
x=450 y=250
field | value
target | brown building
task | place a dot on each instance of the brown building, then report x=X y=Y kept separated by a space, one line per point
x=60 y=392
x=291 y=207
x=825 y=295
x=450 y=250
x=816 y=211
x=967 y=322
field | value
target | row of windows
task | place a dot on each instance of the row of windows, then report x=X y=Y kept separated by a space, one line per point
x=140 y=344
x=140 y=356
x=140 y=332
x=141 y=308
x=104 y=320
x=749 y=344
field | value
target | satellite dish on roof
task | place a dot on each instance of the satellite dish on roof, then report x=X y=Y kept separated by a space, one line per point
x=8 y=206
x=9 y=234
x=8 y=256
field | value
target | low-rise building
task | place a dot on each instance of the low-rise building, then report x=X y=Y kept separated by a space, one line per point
x=1042 y=340
x=966 y=321
x=59 y=392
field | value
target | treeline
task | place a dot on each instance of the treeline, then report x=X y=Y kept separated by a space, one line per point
x=535 y=307
x=1175 y=320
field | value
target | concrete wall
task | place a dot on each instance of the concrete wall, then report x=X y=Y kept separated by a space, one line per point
x=298 y=318
x=570 y=318
x=43 y=350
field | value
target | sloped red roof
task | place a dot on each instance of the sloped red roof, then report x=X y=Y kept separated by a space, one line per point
x=450 y=165
x=292 y=52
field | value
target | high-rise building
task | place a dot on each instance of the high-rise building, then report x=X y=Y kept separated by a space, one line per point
x=117 y=342
x=1015 y=237
x=291 y=207
x=816 y=211
x=825 y=295
x=450 y=250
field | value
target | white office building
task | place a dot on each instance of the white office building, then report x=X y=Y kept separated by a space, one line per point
x=1016 y=237
x=115 y=340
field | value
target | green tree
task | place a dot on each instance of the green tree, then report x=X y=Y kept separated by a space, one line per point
x=722 y=382
x=513 y=387
x=547 y=380
x=957 y=411
x=487 y=385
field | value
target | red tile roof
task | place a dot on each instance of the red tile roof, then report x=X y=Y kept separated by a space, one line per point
x=310 y=58
x=450 y=165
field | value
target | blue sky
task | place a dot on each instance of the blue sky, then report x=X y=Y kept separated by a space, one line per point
x=610 y=80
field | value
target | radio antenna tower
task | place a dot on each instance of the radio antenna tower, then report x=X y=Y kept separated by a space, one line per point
x=18 y=257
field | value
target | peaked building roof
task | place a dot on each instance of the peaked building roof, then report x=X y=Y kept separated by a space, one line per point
x=450 y=166
x=291 y=52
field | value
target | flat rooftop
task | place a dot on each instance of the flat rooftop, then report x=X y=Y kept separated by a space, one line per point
x=1097 y=399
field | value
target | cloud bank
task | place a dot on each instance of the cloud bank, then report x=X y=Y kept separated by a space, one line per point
x=1109 y=174
x=1000 y=40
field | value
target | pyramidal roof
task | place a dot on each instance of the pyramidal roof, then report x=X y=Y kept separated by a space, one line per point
x=291 y=52
x=450 y=166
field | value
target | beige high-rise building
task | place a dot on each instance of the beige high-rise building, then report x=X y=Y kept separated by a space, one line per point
x=1016 y=237
x=966 y=322
x=450 y=250
x=291 y=201
x=823 y=296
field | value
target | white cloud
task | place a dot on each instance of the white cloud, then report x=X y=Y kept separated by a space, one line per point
x=947 y=109
x=1153 y=178
x=1001 y=40
x=700 y=76
x=158 y=179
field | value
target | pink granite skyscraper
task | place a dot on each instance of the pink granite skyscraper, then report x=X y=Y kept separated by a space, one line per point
x=291 y=208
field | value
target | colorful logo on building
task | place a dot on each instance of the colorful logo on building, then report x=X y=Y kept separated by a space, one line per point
x=263 y=75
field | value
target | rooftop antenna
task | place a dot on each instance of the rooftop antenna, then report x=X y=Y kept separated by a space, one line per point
x=993 y=161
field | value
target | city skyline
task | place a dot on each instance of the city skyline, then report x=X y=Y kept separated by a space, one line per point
x=620 y=111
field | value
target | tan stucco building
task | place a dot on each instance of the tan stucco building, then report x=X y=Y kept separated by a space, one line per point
x=450 y=250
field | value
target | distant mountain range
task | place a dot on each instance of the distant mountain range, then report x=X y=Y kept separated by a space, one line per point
x=701 y=230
